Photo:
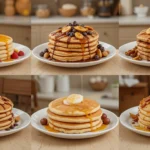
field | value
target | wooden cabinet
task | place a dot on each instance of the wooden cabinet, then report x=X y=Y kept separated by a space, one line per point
x=108 y=33
x=20 y=34
x=128 y=33
x=131 y=96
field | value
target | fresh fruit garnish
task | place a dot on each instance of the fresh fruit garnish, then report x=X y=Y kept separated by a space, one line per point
x=78 y=35
x=80 y=28
x=43 y=121
x=14 y=55
x=41 y=54
x=99 y=53
x=17 y=118
x=16 y=50
x=20 y=53
x=96 y=57
x=66 y=29
x=134 y=117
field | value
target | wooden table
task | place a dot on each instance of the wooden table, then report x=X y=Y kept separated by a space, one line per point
x=115 y=66
x=132 y=141
x=23 y=68
x=17 y=141
x=107 y=141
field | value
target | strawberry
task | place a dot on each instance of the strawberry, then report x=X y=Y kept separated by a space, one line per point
x=14 y=55
x=21 y=53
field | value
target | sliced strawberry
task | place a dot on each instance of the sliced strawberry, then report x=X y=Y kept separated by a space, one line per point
x=21 y=53
x=14 y=55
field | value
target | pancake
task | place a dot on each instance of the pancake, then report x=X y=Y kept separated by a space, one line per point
x=144 y=113
x=2 y=115
x=5 y=104
x=73 y=131
x=73 y=45
x=144 y=57
x=74 y=126
x=143 y=44
x=5 y=40
x=73 y=119
x=7 y=124
x=86 y=107
x=144 y=36
x=143 y=49
x=6 y=118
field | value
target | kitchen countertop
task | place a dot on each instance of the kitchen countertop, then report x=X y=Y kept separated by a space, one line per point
x=107 y=141
x=64 y=20
x=133 y=20
x=115 y=66
x=132 y=141
x=15 y=20
x=23 y=68
x=18 y=141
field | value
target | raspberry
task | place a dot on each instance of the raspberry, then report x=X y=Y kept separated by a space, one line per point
x=21 y=53
x=14 y=55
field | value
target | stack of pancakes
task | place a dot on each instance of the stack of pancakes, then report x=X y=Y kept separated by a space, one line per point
x=75 y=118
x=144 y=113
x=73 y=43
x=6 y=116
x=6 y=47
x=143 y=44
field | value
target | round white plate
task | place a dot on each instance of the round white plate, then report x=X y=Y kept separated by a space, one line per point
x=129 y=46
x=23 y=123
x=126 y=121
x=36 y=117
x=42 y=47
x=19 y=47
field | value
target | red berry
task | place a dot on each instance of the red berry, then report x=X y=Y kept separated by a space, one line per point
x=21 y=53
x=14 y=55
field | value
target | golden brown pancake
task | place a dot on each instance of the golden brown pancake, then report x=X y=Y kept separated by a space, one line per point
x=143 y=44
x=74 y=119
x=73 y=131
x=86 y=107
x=143 y=36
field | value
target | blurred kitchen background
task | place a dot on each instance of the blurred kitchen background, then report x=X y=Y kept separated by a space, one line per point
x=104 y=89
x=132 y=90
x=48 y=15
x=15 y=20
x=134 y=17
x=18 y=89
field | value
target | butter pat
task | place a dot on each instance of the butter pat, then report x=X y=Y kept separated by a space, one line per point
x=73 y=99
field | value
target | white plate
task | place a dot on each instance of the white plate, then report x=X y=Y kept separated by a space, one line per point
x=42 y=47
x=36 y=117
x=126 y=121
x=129 y=46
x=23 y=48
x=23 y=123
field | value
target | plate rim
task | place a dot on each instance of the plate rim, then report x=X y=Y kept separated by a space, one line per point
x=74 y=63
x=17 y=129
x=128 y=59
x=74 y=135
x=130 y=127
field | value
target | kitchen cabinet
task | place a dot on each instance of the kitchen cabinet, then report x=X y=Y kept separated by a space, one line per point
x=131 y=96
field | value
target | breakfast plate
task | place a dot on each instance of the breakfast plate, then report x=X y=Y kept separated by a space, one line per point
x=23 y=123
x=36 y=117
x=20 y=47
x=37 y=50
x=126 y=47
x=126 y=121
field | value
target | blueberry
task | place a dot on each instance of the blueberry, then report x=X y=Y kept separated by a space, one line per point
x=67 y=33
x=84 y=33
x=46 y=50
x=96 y=57
x=89 y=32
x=99 y=46
x=102 y=48
x=42 y=54
x=71 y=34
x=70 y=24
x=75 y=23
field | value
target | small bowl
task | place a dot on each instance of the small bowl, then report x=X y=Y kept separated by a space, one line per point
x=141 y=11
x=98 y=86
x=67 y=12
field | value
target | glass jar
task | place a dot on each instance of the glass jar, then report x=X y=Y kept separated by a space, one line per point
x=42 y=11
x=87 y=9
